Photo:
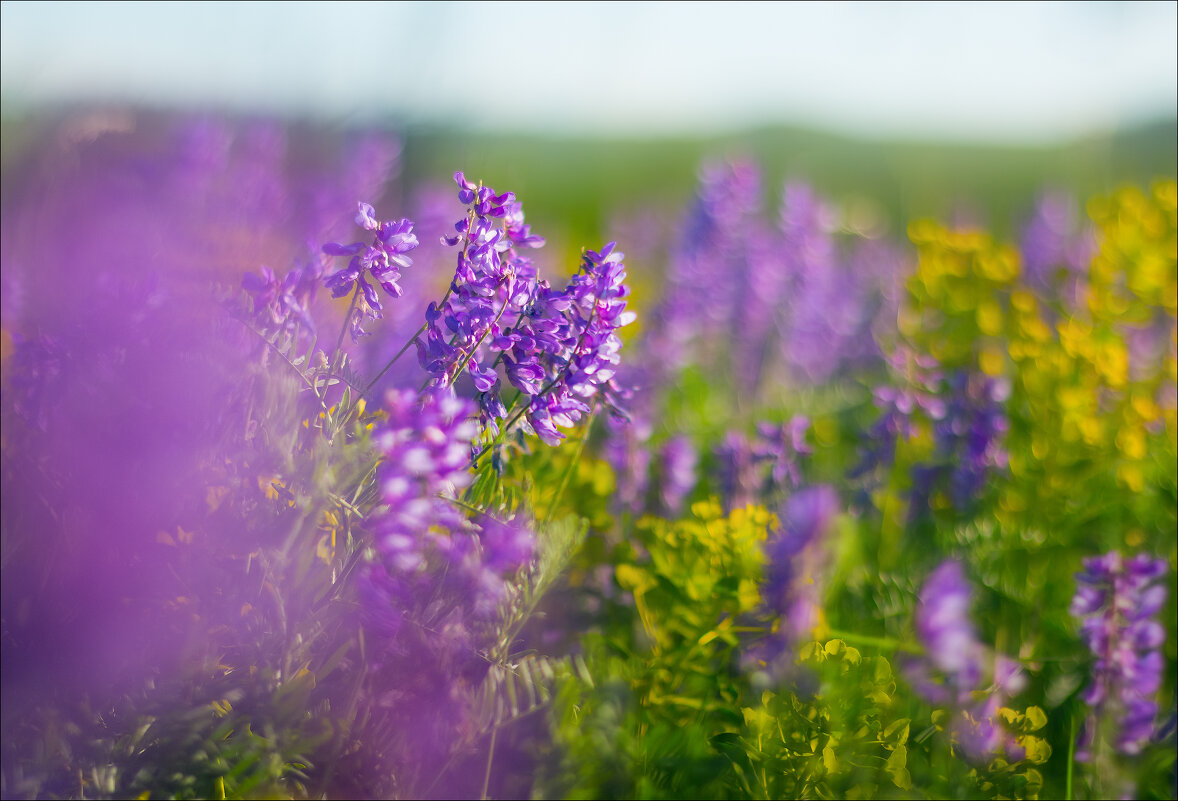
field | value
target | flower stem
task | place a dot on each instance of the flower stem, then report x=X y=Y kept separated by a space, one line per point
x=568 y=473
x=405 y=347
x=879 y=642
x=490 y=756
x=339 y=343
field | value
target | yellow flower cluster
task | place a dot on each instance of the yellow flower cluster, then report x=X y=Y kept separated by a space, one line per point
x=1092 y=370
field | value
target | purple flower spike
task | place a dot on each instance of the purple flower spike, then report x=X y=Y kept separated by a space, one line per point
x=383 y=259
x=944 y=626
x=1116 y=600
x=807 y=517
x=951 y=673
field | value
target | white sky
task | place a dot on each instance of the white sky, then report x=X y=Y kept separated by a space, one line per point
x=984 y=71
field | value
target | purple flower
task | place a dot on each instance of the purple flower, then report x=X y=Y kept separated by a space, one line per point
x=382 y=259
x=955 y=661
x=794 y=560
x=761 y=470
x=679 y=461
x=1116 y=600
x=491 y=279
x=945 y=629
x=1055 y=245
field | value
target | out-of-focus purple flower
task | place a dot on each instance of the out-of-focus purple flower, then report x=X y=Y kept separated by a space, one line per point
x=794 y=563
x=1116 y=600
x=968 y=417
x=627 y=449
x=736 y=471
x=946 y=631
x=761 y=470
x=955 y=662
x=807 y=516
x=282 y=304
x=970 y=435
x=780 y=446
x=426 y=446
x=1056 y=246
x=678 y=460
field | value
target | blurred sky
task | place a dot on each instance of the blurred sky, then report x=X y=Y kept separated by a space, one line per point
x=967 y=71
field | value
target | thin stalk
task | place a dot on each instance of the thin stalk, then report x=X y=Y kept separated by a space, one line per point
x=1071 y=758
x=490 y=757
x=568 y=473
x=284 y=357
x=339 y=343
x=405 y=347
x=878 y=642
x=393 y=360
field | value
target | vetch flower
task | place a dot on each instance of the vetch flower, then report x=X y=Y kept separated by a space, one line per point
x=955 y=662
x=1116 y=600
x=383 y=258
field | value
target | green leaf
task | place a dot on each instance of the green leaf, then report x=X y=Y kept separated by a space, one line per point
x=897 y=731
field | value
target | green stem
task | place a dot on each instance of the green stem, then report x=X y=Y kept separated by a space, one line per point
x=339 y=343
x=878 y=642
x=1071 y=758
x=490 y=757
x=568 y=473
x=393 y=360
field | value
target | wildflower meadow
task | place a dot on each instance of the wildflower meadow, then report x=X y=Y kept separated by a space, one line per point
x=322 y=483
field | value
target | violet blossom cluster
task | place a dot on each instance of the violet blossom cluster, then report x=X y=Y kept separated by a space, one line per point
x=679 y=462
x=430 y=600
x=382 y=259
x=594 y=306
x=1116 y=600
x=968 y=419
x=426 y=448
x=795 y=557
x=954 y=666
x=756 y=470
x=1056 y=247
x=558 y=348
x=491 y=279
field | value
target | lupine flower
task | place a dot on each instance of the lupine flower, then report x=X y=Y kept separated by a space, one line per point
x=1056 y=245
x=678 y=460
x=585 y=366
x=757 y=471
x=491 y=279
x=970 y=435
x=382 y=259
x=947 y=633
x=1117 y=599
x=955 y=662
x=794 y=559
x=791 y=556
x=736 y=473
x=969 y=423
x=628 y=453
x=780 y=446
